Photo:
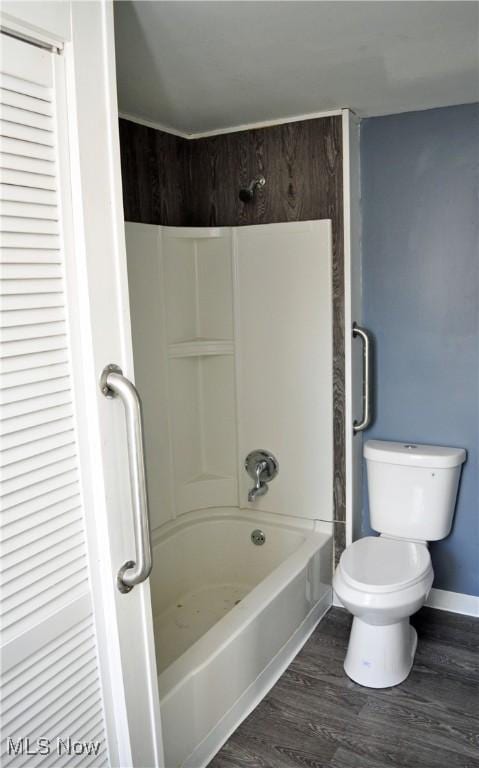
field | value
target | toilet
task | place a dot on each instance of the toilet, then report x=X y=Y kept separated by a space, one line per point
x=382 y=580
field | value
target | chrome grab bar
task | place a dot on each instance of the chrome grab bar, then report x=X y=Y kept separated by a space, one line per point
x=367 y=418
x=112 y=384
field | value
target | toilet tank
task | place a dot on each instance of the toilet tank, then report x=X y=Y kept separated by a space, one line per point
x=412 y=488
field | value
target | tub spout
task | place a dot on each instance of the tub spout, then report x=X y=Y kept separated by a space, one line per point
x=260 y=487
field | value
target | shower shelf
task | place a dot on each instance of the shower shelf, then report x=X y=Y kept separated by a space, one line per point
x=207 y=477
x=206 y=490
x=201 y=348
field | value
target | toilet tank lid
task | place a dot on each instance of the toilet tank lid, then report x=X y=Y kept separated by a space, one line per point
x=413 y=454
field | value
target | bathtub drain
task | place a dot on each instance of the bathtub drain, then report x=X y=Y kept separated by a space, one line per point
x=258 y=537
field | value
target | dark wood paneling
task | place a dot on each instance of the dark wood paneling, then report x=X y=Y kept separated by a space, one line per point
x=300 y=161
x=339 y=542
x=172 y=181
x=152 y=168
x=316 y=716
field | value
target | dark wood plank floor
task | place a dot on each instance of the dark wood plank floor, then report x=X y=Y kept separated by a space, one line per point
x=316 y=717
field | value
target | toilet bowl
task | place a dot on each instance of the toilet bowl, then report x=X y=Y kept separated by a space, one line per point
x=382 y=582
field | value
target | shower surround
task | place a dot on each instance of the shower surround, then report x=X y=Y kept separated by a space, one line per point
x=173 y=181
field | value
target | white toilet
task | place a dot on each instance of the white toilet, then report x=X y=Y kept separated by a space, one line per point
x=382 y=580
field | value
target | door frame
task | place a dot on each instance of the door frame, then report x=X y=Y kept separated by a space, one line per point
x=352 y=313
x=97 y=289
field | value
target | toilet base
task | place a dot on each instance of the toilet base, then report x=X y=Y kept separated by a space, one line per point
x=380 y=656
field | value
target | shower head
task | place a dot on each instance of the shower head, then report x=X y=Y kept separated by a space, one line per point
x=246 y=194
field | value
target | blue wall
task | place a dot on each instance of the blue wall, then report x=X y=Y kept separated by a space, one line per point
x=420 y=199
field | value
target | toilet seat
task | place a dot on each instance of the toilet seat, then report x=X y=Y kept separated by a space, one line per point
x=379 y=565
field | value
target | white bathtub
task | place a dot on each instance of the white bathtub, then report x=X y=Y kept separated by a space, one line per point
x=229 y=617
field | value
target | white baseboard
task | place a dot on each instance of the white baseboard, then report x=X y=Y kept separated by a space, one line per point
x=456 y=602
x=443 y=600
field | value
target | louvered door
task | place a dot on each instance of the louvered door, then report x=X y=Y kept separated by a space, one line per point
x=50 y=674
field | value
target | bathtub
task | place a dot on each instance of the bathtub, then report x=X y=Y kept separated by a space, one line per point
x=229 y=616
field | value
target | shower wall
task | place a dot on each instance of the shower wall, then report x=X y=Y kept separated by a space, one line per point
x=218 y=356
x=177 y=182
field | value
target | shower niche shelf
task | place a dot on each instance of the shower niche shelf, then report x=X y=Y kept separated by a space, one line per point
x=181 y=295
x=197 y=279
x=200 y=348
x=207 y=490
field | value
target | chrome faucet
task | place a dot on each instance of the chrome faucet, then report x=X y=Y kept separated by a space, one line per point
x=262 y=467
x=260 y=487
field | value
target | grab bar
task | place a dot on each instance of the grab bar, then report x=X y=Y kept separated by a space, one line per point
x=112 y=384
x=365 y=336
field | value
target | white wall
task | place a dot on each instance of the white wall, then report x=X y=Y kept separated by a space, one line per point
x=284 y=362
x=232 y=335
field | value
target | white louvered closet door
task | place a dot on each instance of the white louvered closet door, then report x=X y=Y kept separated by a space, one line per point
x=50 y=672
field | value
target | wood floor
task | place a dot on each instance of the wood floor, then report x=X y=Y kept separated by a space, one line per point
x=315 y=717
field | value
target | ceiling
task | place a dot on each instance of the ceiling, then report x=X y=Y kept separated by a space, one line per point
x=201 y=66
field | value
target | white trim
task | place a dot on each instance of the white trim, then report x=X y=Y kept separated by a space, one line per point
x=19 y=27
x=456 y=602
x=15 y=30
x=442 y=600
x=232 y=128
x=348 y=415
x=194 y=233
x=266 y=123
x=123 y=628
x=91 y=475
x=352 y=312
x=154 y=125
